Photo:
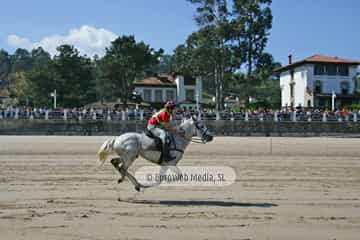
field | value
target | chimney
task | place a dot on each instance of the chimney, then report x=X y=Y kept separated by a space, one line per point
x=290 y=59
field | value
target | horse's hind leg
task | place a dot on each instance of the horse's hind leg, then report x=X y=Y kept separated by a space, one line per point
x=116 y=163
x=122 y=167
x=127 y=162
x=126 y=159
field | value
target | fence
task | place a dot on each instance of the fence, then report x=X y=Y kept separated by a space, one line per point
x=275 y=116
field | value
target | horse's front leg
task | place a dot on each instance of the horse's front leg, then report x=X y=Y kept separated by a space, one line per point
x=116 y=163
x=170 y=165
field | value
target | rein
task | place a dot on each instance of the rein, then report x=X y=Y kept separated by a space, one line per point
x=204 y=131
x=174 y=143
x=197 y=140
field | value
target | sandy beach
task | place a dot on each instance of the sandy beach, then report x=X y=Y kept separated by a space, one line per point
x=285 y=188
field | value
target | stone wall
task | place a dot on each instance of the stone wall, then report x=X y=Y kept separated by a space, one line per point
x=220 y=128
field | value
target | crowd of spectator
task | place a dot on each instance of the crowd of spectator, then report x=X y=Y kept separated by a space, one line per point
x=286 y=114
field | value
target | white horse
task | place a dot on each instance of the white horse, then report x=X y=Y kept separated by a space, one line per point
x=130 y=146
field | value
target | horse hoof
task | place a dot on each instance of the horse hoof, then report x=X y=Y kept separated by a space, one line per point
x=137 y=188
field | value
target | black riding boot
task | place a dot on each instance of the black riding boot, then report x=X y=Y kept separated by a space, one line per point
x=166 y=153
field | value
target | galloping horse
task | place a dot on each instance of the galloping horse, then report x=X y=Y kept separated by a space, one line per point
x=130 y=146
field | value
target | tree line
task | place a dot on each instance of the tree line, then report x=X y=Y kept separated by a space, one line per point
x=78 y=79
x=227 y=50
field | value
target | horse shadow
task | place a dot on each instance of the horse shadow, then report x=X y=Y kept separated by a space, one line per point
x=184 y=203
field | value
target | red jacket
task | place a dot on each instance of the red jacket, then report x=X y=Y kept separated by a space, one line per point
x=159 y=118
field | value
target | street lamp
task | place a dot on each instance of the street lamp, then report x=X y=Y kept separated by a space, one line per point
x=53 y=94
x=197 y=102
x=333 y=96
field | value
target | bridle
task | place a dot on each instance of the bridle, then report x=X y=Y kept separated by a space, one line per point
x=205 y=135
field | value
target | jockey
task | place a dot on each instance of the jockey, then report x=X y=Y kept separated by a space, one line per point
x=159 y=123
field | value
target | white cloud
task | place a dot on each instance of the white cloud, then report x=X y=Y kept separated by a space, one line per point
x=14 y=40
x=88 y=40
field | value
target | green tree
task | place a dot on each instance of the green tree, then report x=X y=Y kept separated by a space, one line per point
x=214 y=60
x=264 y=85
x=5 y=67
x=74 y=77
x=265 y=65
x=104 y=90
x=183 y=60
x=21 y=87
x=252 y=21
x=125 y=61
x=165 y=66
x=21 y=61
x=212 y=42
x=40 y=57
x=35 y=86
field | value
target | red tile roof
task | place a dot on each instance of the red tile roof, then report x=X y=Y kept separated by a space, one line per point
x=318 y=59
x=326 y=59
x=161 y=80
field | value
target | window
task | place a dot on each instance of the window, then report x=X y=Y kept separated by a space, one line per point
x=190 y=94
x=357 y=84
x=331 y=69
x=344 y=87
x=292 y=90
x=343 y=70
x=158 y=96
x=189 y=81
x=292 y=74
x=170 y=95
x=147 y=95
x=319 y=69
x=318 y=86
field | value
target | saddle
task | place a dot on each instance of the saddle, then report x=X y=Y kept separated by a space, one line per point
x=157 y=140
x=164 y=150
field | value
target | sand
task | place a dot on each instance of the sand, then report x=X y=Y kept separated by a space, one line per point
x=286 y=188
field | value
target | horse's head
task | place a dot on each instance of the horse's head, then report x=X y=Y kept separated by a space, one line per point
x=193 y=127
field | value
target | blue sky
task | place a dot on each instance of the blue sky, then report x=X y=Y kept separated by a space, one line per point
x=302 y=28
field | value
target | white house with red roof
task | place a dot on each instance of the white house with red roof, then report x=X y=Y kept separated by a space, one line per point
x=184 y=90
x=311 y=82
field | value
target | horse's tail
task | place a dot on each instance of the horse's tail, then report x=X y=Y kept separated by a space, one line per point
x=105 y=150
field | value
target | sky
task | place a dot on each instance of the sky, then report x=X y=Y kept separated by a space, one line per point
x=301 y=28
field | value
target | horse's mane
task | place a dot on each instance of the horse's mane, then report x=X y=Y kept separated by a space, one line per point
x=186 y=126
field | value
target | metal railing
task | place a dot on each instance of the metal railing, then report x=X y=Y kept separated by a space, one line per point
x=94 y=115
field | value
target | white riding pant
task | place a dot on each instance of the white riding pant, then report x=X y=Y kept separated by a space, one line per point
x=157 y=132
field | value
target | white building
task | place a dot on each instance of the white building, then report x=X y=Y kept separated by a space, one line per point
x=186 y=91
x=310 y=82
